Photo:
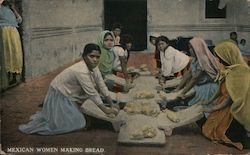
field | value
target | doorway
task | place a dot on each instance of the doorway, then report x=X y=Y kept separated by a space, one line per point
x=132 y=14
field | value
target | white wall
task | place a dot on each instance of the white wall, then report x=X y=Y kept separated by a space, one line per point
x=175 y=18
x=55 y=32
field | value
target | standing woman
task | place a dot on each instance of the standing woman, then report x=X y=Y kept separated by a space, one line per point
x=202 y=72
x=12 y=56
x=235 y=107
x=67 y=92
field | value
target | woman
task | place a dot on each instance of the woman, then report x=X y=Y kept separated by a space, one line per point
x=202 y=72
x=116 y=30
x=12 y=56
x=232 y=103
x=172 y=60
x=121 y=59
x=106 y=43
x=69 y=89
x=121 y=55
x=152 y=40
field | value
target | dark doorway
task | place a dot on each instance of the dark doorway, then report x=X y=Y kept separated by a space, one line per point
x=212 y=10
x=132 y=14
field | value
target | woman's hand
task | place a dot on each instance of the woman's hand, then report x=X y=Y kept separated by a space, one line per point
x=181 y=95
x=175 y=90
x=205 y=102
x=161 y=80
x=109 y=111
x=208 y=109
x=116 y=106
x=128 y=86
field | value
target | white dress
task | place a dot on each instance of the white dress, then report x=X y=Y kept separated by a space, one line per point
x=60 y=113
x=119 y=52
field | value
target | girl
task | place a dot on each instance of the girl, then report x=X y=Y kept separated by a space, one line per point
x=172 y=60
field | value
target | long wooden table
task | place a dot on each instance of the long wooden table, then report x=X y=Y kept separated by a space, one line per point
x=126 y=124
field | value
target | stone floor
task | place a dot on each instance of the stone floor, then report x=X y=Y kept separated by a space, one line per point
x=18 y=103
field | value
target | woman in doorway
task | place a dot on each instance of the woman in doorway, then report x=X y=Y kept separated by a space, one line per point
x=106 y=43
x=12 y=56
x=202 y=72
x=116 y=30
x=172 y=60
x=68 y=90
x=232 y=103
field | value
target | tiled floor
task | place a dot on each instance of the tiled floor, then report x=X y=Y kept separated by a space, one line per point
x=22 y=101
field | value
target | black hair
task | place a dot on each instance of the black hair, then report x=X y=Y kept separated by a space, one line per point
x=107 y=34
x=161 y=38
x=89 y=48
x=243 y=40
x=233 y=33
x=152 y=39
x=6 y=3
x=125 y=39
x=221 y=60
x=116 y=25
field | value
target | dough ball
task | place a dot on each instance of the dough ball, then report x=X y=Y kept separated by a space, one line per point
x=137 y=135
x=144 y=94
x=162 y=95
x=143 y=66
x=172 y=116
x=144 y=132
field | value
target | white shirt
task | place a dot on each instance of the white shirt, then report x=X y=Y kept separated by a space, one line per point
x=173 y=61
x=78 y=83
x=119 y=52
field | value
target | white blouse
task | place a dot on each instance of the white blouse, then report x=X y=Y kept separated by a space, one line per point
x=173 y=61
x=78 y=83
x=119 y=52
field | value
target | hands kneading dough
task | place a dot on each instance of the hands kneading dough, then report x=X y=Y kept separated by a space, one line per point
x=144 y=94
x=112 y=115
x=144 y=132
x=169 y=96
x=171 y=116
x=141 y=108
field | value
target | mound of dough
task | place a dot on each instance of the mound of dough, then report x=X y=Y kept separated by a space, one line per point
x=141 y=108
x=131 y=69
x=144 y=94
x=171 y=116
x=133 y=108
x=144 y=132
x=143 y=67
x=162 y=95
